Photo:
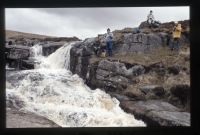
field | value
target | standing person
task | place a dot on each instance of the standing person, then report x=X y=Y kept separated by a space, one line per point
x=176 y=34
x=150 y=18
x=109 y=42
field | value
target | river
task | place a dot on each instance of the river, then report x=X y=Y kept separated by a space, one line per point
x=52 y=91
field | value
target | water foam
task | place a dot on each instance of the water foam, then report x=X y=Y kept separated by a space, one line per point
x=53 y=92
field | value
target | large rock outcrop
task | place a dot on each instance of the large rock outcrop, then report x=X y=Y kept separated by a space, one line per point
x=157 y=113
x=14 y=55
x=125 y=41
x=114 y=75
x=167 y=28
x=80 y=54
x=131 y=42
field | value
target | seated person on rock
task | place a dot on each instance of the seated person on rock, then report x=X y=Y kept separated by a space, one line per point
x=151 y=20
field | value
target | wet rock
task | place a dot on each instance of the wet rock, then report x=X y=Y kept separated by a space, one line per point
x=27 y=64
x=13 y=77
x=35 y=77
x=108 y=86
x=157 y=113
x=15 y=54
x=51 y=47
x=18 y=119
x=121 y=97
x=14 y=101
x=79 y=59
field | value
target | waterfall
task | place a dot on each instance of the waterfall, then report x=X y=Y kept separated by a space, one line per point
x=59 y=59
x=54 y=92
x=36 y=51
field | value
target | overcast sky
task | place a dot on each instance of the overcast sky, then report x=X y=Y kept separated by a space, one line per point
x=85 y=22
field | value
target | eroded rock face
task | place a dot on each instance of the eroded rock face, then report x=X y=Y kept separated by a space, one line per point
x=114 y=75
x=17 y=52
x=140 y=42
x=167 y=28
x=80 y=54
x=120 y=68
x=14 y=55
x=157 y=113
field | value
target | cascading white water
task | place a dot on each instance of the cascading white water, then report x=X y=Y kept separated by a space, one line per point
x=58 y=60
x=53 y=92
x=36 y=51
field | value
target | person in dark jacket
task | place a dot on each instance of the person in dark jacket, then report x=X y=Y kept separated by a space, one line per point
x=109 y=42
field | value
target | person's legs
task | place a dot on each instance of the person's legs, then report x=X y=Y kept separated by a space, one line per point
x=149 y=23
x=174 y=43
x=110 y=48
x=177 y=45
x=171 y=44
x=107 y=47
x=152 y=23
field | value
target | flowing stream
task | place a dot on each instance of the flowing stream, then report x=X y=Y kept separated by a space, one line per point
x=52 y=91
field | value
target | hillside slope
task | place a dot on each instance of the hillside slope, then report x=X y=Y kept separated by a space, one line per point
x=15 y=34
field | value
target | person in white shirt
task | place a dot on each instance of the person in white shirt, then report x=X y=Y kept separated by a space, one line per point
x=150 y=18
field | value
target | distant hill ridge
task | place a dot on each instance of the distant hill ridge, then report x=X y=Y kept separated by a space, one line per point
x=22 y=35
x=16 y=34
